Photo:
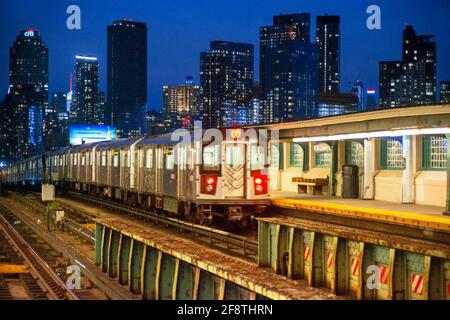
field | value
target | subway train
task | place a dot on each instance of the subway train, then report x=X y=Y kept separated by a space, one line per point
x=202 y=179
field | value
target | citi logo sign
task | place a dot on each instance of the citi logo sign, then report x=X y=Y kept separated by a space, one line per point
x=29 y=33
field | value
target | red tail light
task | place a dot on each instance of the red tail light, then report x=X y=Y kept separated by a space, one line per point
x=209 y=184
x=260 y=184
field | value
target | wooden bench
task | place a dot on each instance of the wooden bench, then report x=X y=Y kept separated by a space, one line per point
x=311 y=185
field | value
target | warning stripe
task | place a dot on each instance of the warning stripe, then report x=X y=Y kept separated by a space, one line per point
x=417 y=283
x=307 y=253
x=329 y=259
x=355 y=265
x=384 y=275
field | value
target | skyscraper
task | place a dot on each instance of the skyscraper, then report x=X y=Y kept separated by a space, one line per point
x=412 y=80
x=127 y=77
x=28 y=93
x=86 y=104
x=226 y=80
x=358 y=91
x=328 y=38
x=445 y=91
x=290 y=70
x=285 y=27
x=56 y=122
x=182 y=98
x=371 y=100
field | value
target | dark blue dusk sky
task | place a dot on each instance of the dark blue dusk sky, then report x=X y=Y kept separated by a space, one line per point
x=178 y=30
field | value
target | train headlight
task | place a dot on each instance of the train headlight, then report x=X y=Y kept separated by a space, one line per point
x=259 y=183
x=209 y=184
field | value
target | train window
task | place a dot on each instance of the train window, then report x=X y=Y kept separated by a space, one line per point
x=103 y=160
x=116 y=159
x=60 y=160
x=235 y=156
x=211 y=158
x=170 y=160
x=257 y=157
x=75 y=159
x=149 y=159
x=129 y=158
x=83 y=160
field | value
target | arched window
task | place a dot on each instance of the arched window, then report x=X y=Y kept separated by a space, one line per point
x=392 y=154
x=296 y=155
x=434 y=152
x=323 y=155
x=354 y=154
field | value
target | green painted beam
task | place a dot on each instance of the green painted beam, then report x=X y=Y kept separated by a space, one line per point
x=136 y=267
x=124 y=256
x=98 y=243
x=185 y=282
x=166 y=277
x=105 y=248
x=113 y=254
x=206 y=286
x=149 y=279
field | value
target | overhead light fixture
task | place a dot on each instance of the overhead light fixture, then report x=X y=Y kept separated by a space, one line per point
x=374 y=134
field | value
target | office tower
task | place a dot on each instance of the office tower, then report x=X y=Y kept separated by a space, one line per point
x=180 y=104
x=226 y=80
x=371 y=100
x=334 y=104
x=86 y=98
x=28 y=93
x=445 y=91
x=412 y=80
x=285 y=27
x=290 y=70
x=183 y=98
x=127 y=77
x=328 y=38
x=358 y=91
x=5 y=133
x=59 y=101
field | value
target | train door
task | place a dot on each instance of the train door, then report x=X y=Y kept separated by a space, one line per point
x=234 y=170
x=181 y=155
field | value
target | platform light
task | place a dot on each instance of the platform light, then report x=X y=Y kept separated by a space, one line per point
x=375 y=134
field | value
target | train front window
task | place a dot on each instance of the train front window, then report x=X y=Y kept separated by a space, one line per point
x=257 y=157
x=235 y=156
x=211 y=158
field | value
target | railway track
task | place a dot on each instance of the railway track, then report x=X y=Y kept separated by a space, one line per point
x=48 y=285
x=244 y=246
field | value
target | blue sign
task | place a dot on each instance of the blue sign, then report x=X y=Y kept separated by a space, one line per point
x=80 y=134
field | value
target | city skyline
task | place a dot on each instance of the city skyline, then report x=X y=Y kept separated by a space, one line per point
x=361 y=48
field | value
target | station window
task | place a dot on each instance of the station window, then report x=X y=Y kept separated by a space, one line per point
x=149 y=159
x=354 y=154
x=116 y=159
x=323 y=155
x=103 y=160
x=211 y=158
x=170 y=163
x=392 y=154
x=257 y=156
x=435 y=152
x=296 y=155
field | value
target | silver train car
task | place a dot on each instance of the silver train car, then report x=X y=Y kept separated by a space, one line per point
x=201 y=181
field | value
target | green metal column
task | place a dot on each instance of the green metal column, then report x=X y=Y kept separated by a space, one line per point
x=113 y=252
x=447 y=207
x=166 y=277
x=98 y=243
x=333 y=168
x=124 y=256
x=185 y=287
x=136 y=266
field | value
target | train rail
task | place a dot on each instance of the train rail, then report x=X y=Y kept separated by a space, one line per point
x=215 y=237
x=55 y=287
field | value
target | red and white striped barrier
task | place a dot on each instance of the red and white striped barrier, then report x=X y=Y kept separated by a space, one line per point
x=354 y=267
x=417 y=283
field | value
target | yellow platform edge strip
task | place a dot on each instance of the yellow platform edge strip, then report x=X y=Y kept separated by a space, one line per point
x=409 y=217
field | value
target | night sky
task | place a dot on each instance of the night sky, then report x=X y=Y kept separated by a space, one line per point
x=179 y=29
